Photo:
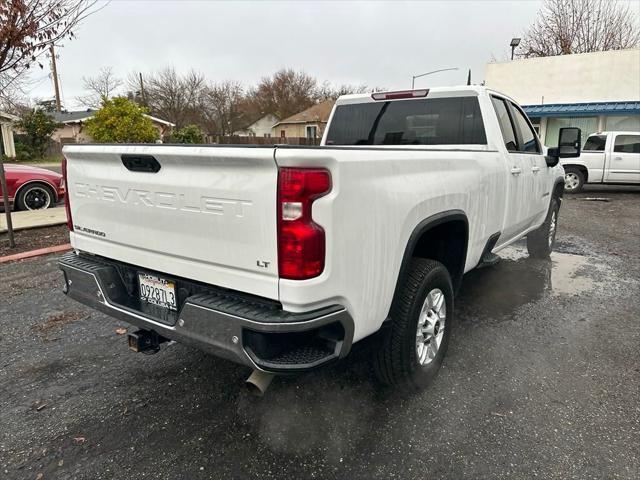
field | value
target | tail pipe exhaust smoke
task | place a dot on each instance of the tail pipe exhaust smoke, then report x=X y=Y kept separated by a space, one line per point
x=258 y=382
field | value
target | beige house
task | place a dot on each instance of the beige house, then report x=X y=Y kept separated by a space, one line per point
x=6 y=128
x=309 y=123
x=72 y=129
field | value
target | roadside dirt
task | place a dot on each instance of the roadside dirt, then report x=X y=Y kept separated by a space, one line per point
x=58 y=320
x=33 y=239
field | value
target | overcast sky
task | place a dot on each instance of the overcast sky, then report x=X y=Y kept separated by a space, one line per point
x=373 y=43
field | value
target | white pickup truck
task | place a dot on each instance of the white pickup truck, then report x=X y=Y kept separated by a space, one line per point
x=281 y=257
x=607 y=157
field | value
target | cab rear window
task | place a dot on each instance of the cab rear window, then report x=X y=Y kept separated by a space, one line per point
x=436 y=121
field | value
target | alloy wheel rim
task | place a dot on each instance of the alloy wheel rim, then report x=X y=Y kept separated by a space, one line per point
x=37 y=198
x=431 y=325
x=571 y=180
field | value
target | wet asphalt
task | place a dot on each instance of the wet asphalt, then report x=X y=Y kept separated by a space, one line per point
x=542 y=380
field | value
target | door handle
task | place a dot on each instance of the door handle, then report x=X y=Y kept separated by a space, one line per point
x=140 y=163
x=535 y=169
x=617 y=158
x=516 y=170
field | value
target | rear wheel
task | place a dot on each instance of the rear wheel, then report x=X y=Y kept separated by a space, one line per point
x=573 y=180
x=416 y=342
x=540 y=242
x=35 y=196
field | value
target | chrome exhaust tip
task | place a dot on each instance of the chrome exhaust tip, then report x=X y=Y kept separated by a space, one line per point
x=258 y=382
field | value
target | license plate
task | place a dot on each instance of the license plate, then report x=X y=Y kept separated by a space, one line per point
x=157 y=291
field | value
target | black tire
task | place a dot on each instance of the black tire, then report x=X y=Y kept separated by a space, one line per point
x=45 y=196
x=573 y=180
x=396 y=361
x=541 y=241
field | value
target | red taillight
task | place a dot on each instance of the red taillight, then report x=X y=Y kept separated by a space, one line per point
x=67 y=199
x=301 y=241
x=402 y=94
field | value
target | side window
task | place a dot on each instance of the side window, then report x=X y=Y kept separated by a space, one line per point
x=627 y=144
x=506 y=127
x=527 y=136
x=595 y=143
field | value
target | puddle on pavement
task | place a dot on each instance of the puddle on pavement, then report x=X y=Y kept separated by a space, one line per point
x=566 y=278
x=518 y=280
x=567 y=270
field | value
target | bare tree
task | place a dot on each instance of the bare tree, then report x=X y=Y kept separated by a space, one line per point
x=12 y=92
x=134 y=88
x=328 y=91
x=224 y=107
x=171 y=96
x=579 y=26
x=285 y=93
x=101 y=87
x=29 y=27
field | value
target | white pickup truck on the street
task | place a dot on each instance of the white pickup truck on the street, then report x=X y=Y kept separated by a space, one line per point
x=281 y=257
x=607 y=157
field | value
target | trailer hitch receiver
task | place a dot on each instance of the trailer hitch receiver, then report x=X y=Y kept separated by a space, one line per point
x=145 y=341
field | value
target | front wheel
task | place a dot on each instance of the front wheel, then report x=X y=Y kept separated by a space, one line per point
x=573 y=180
x=421 y=319
x=541 y=241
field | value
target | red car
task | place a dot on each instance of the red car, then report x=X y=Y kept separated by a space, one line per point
x=32 y=188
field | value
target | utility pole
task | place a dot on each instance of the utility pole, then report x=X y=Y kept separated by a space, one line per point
x=54 y=72
x=142 y=95
x=7 y=207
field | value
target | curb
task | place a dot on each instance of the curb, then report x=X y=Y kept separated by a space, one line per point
x=36 y=219
x=32 y=227
x=35 y=253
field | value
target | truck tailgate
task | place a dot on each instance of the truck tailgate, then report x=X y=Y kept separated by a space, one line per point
x=208 y=213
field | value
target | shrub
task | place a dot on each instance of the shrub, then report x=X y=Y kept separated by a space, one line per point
x=188 y=134
x=121 y=121
x=37 y=127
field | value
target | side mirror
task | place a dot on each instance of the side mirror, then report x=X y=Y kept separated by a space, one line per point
x=569 y=144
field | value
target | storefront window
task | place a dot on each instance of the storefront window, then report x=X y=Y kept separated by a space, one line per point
x=535 y=123
x=623 y=124
x=588 y=125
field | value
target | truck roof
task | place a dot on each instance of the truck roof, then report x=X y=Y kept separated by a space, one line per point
x=433 y=92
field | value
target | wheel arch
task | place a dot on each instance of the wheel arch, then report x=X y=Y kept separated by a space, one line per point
x=428 y=236
x=34 y=181
x=558 y=188
x=37 y=180
x=583 y=169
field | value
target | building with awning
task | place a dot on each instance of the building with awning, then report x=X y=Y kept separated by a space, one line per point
x=598 y=91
